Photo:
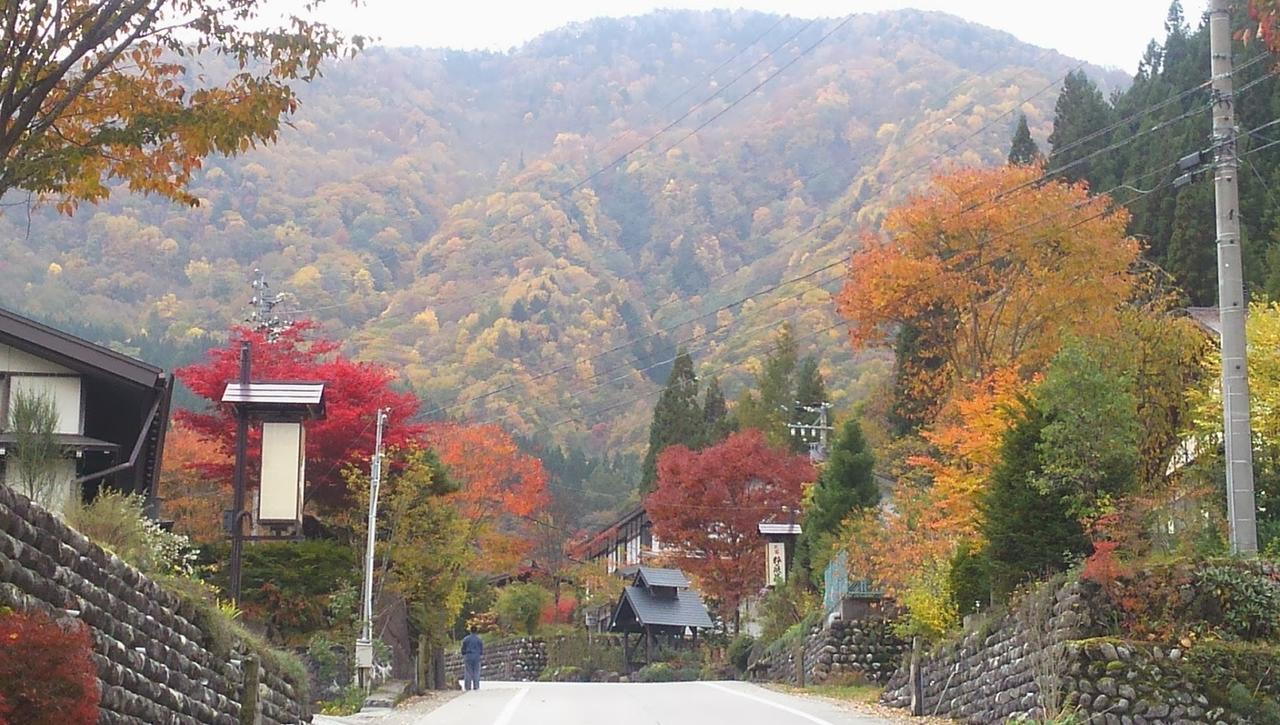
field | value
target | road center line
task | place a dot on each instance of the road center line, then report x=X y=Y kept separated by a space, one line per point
x=509 y=711
x=770 y=703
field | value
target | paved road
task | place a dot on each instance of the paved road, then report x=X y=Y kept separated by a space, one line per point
x=677 y=703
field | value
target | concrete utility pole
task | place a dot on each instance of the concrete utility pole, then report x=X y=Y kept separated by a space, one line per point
x=1237 y=439
x=364 y=645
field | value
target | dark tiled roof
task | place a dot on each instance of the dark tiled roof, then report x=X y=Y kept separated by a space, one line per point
x=685 y=609
x=654 y=577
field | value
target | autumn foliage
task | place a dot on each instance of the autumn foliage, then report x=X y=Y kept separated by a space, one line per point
x=193 y=500
x=353 y=392
x=992 y=269
x=709 y=503
x=46 y=674
x=994 y=266
x=500 y=486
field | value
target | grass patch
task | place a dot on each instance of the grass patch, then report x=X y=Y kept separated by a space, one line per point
x=347 y=703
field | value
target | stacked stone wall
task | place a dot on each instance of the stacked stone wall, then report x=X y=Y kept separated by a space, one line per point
x=519 y=660
x=995 y=670
x=154 y=665
x=868 y=648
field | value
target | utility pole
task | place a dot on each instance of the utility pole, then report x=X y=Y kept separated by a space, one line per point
x=1237 y=439
x=364 y=645
x=818 y=449
x=236 y=519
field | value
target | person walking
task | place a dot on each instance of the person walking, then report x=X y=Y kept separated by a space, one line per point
x=472 y=652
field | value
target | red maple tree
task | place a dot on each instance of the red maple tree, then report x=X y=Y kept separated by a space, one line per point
x=353 y=393
x=709 y=503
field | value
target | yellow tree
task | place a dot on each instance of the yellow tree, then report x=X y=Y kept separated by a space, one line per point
x=97 y=89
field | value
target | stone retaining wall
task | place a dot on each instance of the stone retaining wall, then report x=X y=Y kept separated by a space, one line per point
x=154 y=666
x=868 y=648
x=995 y=671
x=520 y=660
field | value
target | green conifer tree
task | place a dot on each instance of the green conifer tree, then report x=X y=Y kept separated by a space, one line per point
x=1029 y=532
x=1191 y=255
x=1080 y=112
x=1023 y=151
x=846 y=484
x=715 y=413
x=677 y=418
x=768 y=408
x=810 y=390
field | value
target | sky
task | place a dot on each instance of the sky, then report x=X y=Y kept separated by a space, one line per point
x=1105 y=32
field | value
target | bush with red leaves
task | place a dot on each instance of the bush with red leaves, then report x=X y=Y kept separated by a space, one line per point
x=46 y=674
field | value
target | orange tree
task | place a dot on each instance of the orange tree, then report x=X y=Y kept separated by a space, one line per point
x=500 y=489
x=191 y=498
x=92 y=90
x=991 y=269
x=708 y=504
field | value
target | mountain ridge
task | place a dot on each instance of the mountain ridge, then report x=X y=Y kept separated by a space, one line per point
x=417 y=207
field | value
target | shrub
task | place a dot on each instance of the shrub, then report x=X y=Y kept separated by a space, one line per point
x=785 y=606
x=348 y=702
x=1243 y=602
x=293 y=587
x=519 y=607
x=118 y=522
x=571 y=648
x=47 y=676
x=665 y=672
x=740 y=651
x=563 y=674
x=1239 y=675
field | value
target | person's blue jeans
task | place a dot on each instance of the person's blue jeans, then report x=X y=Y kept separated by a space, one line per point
x=471 y=674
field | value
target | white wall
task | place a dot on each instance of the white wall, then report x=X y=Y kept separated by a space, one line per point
x=65 y=393
x=13 y=360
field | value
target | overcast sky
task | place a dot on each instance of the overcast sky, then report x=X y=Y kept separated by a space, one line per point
x=1106 y=32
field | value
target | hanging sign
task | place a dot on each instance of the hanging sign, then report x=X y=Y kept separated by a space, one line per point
x=775 y=563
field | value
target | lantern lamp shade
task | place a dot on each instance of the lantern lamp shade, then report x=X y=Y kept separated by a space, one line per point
x=280 y=497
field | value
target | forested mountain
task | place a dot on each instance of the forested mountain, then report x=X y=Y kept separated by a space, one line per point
x=457 y=214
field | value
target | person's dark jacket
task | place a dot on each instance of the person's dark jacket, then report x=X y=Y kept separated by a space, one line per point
x=472 y=645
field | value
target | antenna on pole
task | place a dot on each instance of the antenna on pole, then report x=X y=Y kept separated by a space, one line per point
x=263 y=317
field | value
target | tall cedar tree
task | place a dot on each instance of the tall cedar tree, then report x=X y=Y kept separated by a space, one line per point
x=1029 y=533
x=736 y=484
x=353 y=392
x=1080 y=111
x=715 y=412
x=768 y=408
x=1023 y=151
x=845 y=485
x=810 y=390
x=677 y=418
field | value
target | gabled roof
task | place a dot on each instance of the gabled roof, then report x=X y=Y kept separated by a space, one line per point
x=637 y=608
x=72 y=352
x=654 y=577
